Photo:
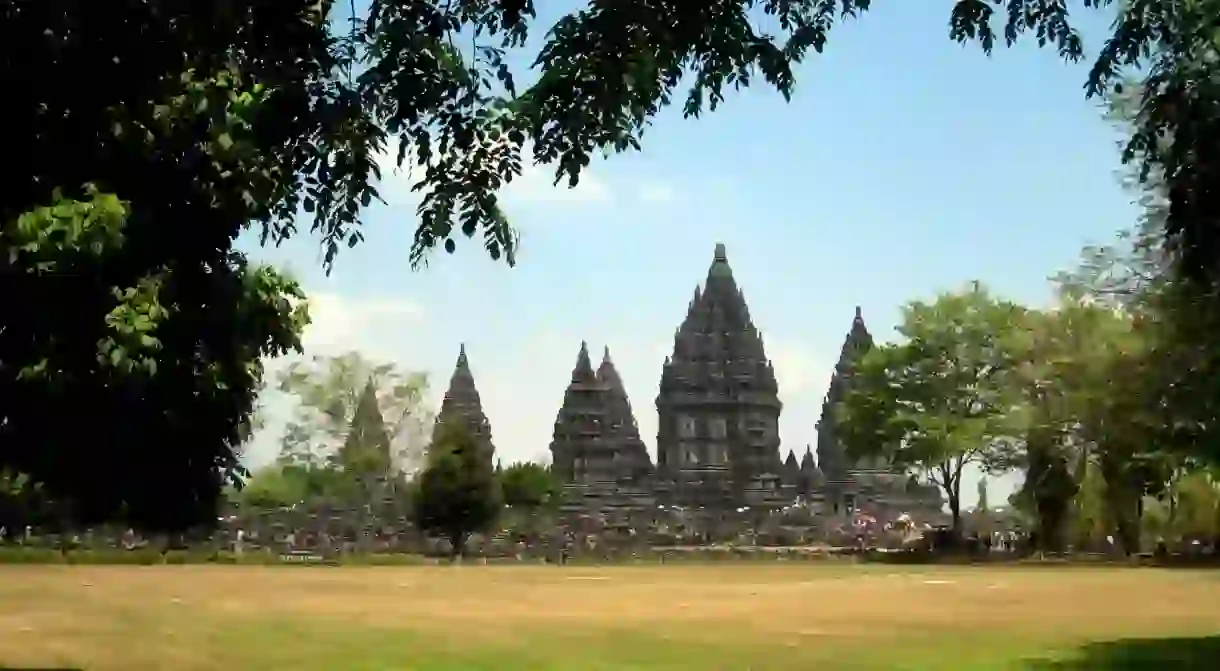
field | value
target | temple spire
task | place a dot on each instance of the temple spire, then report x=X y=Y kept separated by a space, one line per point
x=583 y=372
x=832 y=458
x=461 y=405
x=608 y=375
x=807 y=460
x=461 y=383
x=720 y=268
x=717 y=374
x=858 y=339
x=595 y=438
x=624 y=431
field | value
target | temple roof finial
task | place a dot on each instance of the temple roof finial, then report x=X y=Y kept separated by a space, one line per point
x=859 y=314
x=584 y=367
x=720 y=254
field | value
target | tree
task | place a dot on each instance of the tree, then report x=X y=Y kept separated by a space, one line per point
x=156 y=365
x=24 y=502
x=329 y=391
x=1065 y=357
x=1197 y=513
x=366 y=448
x=938 y=401
x=1175 y=316
x=456 y=494
x=137 y=317
x=1143 y=407
x=338 y=443
x=528 y=485
x=1091 y=521
x=273 y=487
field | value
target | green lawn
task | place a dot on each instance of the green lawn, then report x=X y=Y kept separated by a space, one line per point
x=770 y=617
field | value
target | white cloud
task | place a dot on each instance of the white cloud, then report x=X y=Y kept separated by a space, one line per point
x=656 y=193
x=338 y=323
x=798 y=367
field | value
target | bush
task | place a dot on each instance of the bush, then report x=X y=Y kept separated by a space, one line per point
x=136 y=557
x=28 y=555
x=391 y=559
x=181 y=557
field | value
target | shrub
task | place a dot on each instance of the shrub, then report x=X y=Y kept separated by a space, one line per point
x=29 y=555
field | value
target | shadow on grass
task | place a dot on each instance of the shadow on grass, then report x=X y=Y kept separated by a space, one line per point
x=1140 y=654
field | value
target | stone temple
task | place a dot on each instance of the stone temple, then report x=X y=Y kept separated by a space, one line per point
x=718 y=406
x=596 y=448
x=462 y=406
x=718 y=410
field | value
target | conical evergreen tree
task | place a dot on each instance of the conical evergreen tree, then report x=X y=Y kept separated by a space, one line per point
x=457 y=494
x=366 y=450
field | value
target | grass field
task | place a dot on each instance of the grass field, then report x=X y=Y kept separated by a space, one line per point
x=774 y=617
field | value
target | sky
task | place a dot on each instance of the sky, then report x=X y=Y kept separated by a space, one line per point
x=904 y=165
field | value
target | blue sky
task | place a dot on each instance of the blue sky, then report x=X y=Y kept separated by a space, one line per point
x=904 y=165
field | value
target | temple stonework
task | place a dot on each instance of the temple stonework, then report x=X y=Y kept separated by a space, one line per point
x=462 y=406
x=805 y=477
x=718 y=408
x=596 y=448
x=870 y=484
x=632 y=465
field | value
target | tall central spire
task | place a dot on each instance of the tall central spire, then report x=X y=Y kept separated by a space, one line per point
x=718 y=407
x=718 y=334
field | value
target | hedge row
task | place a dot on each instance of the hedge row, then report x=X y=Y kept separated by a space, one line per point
x=153 y=557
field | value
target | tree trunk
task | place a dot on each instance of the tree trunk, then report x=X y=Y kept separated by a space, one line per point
x=1128 y=536
x=1052 y=514
x=1125 y=503
x=457 y=542
x=1124 y=510
x=954 y=491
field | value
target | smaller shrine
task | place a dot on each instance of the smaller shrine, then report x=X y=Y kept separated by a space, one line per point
x=462 y=406
x=870 y=484
x=596 y=447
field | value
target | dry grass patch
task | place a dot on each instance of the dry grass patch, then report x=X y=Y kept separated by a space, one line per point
x=733 y=616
